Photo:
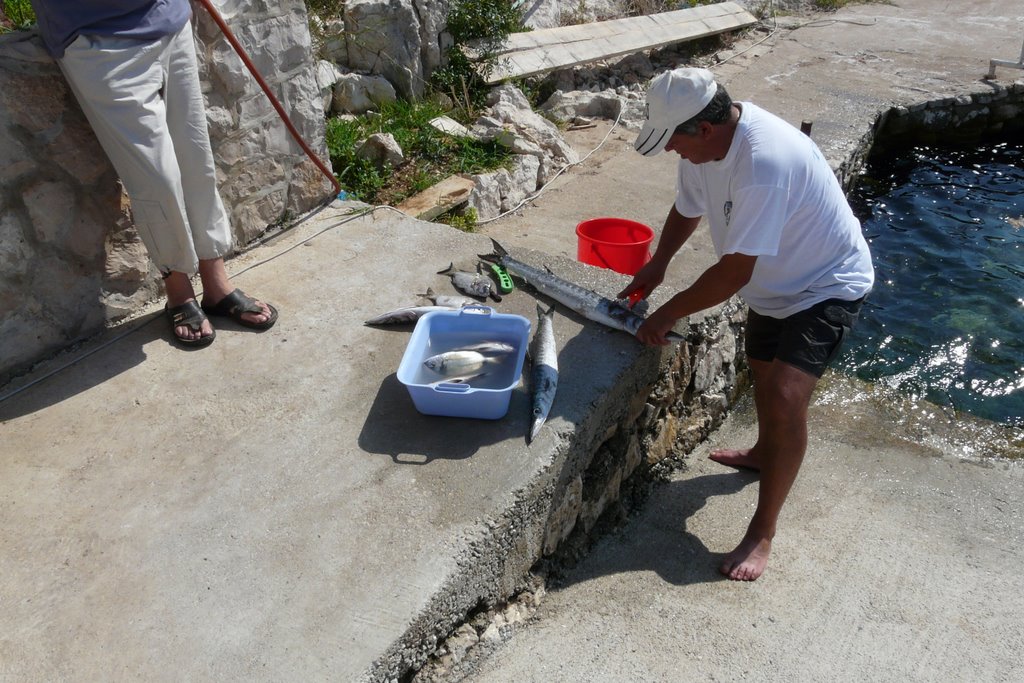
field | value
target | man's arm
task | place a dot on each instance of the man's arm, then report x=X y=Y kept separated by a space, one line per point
x=676 y=231
x=715 y=285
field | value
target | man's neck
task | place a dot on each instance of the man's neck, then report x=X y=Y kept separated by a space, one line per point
x=724 y=132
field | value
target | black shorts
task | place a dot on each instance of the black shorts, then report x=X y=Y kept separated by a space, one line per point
x=809 y=339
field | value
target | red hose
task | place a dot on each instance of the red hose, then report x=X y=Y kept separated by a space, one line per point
x=266 y=89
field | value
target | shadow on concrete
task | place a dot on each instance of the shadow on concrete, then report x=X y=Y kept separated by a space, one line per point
x=394 y=427
x=81 y=368
x=658 y=540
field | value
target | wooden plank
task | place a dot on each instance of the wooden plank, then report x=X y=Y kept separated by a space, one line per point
x=437 y=199
x=534 y=52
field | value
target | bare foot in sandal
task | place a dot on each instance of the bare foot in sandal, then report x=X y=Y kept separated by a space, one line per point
x=220 y=298
x=189 y=324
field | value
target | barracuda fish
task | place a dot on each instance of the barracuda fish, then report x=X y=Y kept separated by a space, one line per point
x=409 y=314
x=457 y=362
x=448 y=300
x=586 y=302
x=473 y=284
x=544 y=375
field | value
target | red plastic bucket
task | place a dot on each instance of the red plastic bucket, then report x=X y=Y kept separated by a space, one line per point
x=615 y=243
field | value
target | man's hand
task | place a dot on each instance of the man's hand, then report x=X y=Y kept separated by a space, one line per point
x=645 y=281
x=654 y=329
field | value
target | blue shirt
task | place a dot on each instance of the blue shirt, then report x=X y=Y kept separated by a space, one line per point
x=62 y=21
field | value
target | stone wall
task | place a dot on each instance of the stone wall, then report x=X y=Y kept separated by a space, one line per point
x=70 y=259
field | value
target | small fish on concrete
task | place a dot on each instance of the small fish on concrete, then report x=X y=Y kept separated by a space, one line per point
x=586 y=302
x=457 y=362
x=544 y=375
x=474 y=284
x=409 y=314
x=450 y=300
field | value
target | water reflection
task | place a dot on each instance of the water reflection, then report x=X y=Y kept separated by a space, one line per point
x=945 y=323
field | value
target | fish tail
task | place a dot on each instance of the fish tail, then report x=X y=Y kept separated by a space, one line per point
x=538 y=422
x=496 y=255
x=449 y=269
x=427 y=294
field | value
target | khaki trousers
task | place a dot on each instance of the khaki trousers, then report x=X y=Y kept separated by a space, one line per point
x=144 y=102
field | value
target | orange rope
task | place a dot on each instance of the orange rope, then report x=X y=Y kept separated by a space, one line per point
x=266 y=89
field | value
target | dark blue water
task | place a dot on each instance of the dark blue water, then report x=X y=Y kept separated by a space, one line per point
x=945 y=322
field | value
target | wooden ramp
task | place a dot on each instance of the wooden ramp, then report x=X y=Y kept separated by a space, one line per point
x=535 y=52
x=435 y=200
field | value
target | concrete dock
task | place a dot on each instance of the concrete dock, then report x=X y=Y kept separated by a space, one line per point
x=274 y=508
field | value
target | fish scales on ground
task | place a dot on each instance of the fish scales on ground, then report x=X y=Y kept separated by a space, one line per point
x=409 y=314
x=586 y=302
x=457 y=362
x=544 y=374
x=449 y=300
x=473 y=284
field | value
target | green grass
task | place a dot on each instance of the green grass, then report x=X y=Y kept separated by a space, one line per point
x=432 y=155
x=19 y=15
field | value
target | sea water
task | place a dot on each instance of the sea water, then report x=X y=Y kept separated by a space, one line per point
x=945 y=322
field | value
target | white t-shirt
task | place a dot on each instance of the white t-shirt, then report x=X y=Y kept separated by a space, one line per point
x=775 y=197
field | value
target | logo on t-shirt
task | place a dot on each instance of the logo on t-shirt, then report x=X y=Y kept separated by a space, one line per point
x=727 y=210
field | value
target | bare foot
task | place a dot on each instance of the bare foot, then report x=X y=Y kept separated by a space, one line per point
x=185 y=332
x=748 y=560
x=744 y=459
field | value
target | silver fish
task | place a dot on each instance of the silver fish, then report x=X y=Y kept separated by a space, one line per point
x=409 y=314
x=449 y=300
x=460 y=379
x=473 y=284
x=544 y=375
x=456 y=362
x=586 y=302
x=489 y=348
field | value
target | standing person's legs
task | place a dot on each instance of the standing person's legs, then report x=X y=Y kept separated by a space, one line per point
x=787 y=357
x=120 y=86
x=207 y=219
x=784 y=393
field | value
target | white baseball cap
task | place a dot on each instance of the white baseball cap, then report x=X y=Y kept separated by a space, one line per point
x=674 y=97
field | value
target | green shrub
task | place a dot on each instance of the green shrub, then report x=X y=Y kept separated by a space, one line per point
x=433 y=155
x=478 y=29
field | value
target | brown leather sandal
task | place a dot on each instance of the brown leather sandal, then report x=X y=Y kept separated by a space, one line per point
x=235 y=304
x=190 y=315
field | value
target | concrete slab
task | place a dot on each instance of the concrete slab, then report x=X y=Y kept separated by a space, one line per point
x=273 y=507
x=893 y=563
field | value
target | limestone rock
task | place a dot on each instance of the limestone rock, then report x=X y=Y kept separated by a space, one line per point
x=522 y=181
x=395 y=38
x=568 y=105
x=450 y=126
x=510 y=107
x=382 y=149
x=327 y=74
x=486 y=196
x=358 y=94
